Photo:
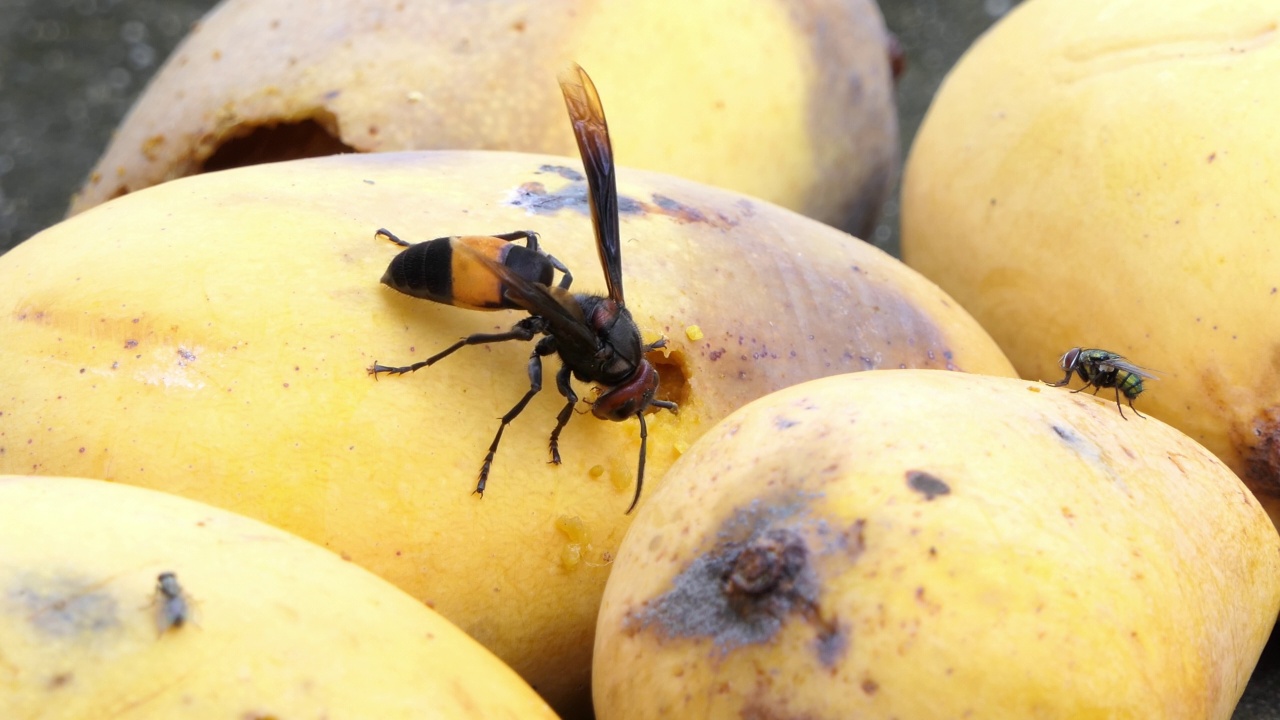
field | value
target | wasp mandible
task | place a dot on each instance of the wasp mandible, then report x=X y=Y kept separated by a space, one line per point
x=1104 y=369
x=594 y=335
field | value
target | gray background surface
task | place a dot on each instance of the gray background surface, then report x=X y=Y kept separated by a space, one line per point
x=69 y=70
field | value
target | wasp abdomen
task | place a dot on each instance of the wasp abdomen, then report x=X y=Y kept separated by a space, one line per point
x=436 y=270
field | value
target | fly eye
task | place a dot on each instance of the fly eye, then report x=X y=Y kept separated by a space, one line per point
x=1068 y=360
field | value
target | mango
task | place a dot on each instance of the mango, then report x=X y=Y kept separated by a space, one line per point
x=790 y=102
x=211 y=337
x=1091 y=174
x=922 y=544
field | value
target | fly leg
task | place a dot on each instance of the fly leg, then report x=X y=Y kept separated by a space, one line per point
x=1131 y=407
x=545 y=346
x=526 y=329
x=562 y=384
x=1062 y=382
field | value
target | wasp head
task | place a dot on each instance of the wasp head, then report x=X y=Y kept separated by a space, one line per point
x=629 y=398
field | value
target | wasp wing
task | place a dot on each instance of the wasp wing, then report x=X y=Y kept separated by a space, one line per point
x=571 y=332
x=592 y=133
x=1121 y=363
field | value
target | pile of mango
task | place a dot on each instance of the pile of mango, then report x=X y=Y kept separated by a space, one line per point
x=868 y=504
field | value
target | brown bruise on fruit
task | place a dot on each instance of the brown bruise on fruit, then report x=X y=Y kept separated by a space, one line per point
x=850 y=71
x=254 y=144
x=764 y=572
x=1262 y=454
x=231 y=139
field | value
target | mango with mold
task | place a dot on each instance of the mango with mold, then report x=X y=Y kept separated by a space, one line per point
x=921 y=544
x=210 y=337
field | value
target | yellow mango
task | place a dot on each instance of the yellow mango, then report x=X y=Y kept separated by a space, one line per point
x=921 y=544
x=1094 y=174
x=210 y=337
x=258 y=623
x=790 y=102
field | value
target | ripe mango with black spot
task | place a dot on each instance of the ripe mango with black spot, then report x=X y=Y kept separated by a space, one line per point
x=1091 y=174
x=790 y=102
x=210 y=337
x=262 y=624
x=920 y=544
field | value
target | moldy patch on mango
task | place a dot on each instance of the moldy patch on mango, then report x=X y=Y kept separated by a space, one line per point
x=763 y=570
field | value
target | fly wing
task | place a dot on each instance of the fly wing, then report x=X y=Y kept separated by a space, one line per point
x=1120 y=363
x=589 y=127
x=571 y=333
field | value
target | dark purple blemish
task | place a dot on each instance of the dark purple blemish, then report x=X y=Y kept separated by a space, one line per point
x=926 y=484
x=784 y=423
x=716 y=354
x=567 y=173
x=679 y=209
x=131 y=343
x=533 y=196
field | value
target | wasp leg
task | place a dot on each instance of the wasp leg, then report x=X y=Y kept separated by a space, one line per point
x=545 y=346
x=385 y=233
x=526 y=329
x=531 y=241
x=529 y=237
x=562 y=384
x=566 y=277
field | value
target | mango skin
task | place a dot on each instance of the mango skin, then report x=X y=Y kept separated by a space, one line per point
x=210 y=337
x=966 y=546
x=790 y=102
x=278 y=627
x=1089 y=175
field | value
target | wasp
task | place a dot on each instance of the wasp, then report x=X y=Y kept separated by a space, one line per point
x=172 y=610
x=594 y=335
x=1104 y=369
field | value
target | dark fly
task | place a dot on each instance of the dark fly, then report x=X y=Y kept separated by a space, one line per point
x=1104 y=369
